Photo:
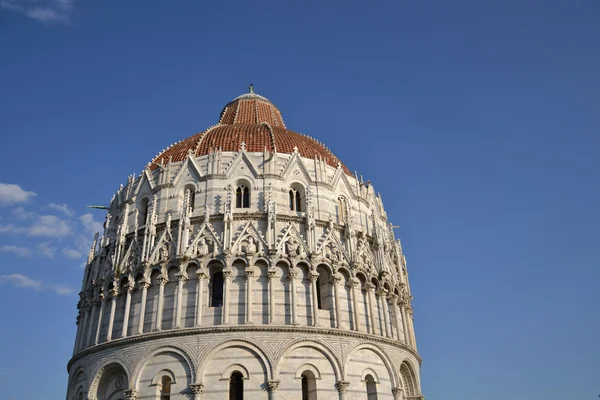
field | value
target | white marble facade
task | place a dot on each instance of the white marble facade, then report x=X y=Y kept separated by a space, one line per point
x=238 y=274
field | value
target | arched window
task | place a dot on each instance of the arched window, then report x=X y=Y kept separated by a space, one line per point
x=319 y=301
x=309 y=386
x=371 y=387
x=143 y=215
x=216 y=299
x=341 y=210
x=165 y=389
x=408 y=381
x=295 y=200
x=242 y=197
x=236 y=386
x=189 y=191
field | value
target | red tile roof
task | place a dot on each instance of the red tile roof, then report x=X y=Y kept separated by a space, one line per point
x=256 y=121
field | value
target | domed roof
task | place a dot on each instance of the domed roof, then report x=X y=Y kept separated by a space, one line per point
x=255 y=121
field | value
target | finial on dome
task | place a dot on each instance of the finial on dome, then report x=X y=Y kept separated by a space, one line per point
x=251 y=89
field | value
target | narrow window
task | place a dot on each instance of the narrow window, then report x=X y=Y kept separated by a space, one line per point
x=341 y=210
x=238 y=197
x=236 y=386
x=217 y=290
x=143 y=212
x=319 y=301
x=309 y=386
x=371 y=388
x=246 y=198
x=192 y=199
x=165 y=390
x=291 y=199
x=298 y=208
x=304 y=387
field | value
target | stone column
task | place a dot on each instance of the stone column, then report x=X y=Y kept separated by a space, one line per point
x=226 y=279
x=354 y=284
x=249 y=276
x=272 y=274
x=101 y=299
x=181 y=278
x=397 y=393
x=293 y=276
x=129 y=289
x=335 y=280
x=314 y=277
x=197 y=390
x=113 y=307
x=403 y=313
x=342 y=388
x=397 y=316
x=80 y=328
x=144 y=285
x=93 y=317
x=412 y=328
x=130 y=394
x=369 y=288
x=200 y=289
x=382 y=294
x=162 y=281
x=273 y=385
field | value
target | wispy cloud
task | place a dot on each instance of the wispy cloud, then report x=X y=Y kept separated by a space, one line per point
x=13 y=194
x=63 y=208
x=46 y=11
x=46 y=250
x=19 y=251
x=71 y=253
x=90 y=225
x=22 y=281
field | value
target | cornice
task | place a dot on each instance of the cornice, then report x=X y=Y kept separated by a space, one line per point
x=173 y=333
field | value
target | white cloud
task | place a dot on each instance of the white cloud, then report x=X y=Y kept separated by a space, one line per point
x=46 y=250
x=19 y=251
x=89 y=224
x=49 y=226
x=71 y=253
x=47 y=11
x=63 y=208
x=22 y=213
x=22 y=281
x=11 y=193
x=9 y=228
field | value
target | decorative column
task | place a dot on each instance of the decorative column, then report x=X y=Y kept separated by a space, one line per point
x=130 y=394
x=397 y=393
x=335 y=280
x=102 y=301
x=403 y=313
x=293 y=276
x=93 y=317
x=162 y=281
x=181 y=278
x=412 y=328
x=249 y=276
x=354 y=284
x=314 y=277
x=80 y=328
x=200 y=289
x=129 y=289
x=272 y=274
x=397 y=317
x=342 y=388
x=226 y=279
x=382 y=294
x=144 y=285
x=113 y=307
x=197 y=390
x=273 y=385
x=369 y=288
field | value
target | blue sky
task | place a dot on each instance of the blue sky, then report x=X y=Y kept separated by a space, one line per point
x=476 y=121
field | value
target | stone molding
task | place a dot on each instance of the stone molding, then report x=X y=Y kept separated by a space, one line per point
x=240 y=328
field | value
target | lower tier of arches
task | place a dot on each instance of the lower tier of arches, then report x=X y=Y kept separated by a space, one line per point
x=239 y=365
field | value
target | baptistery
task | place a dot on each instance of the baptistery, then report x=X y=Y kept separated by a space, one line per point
x=245 y=262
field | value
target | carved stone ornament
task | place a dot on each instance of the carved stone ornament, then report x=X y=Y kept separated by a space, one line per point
x=131 y=394
x=342 y=386
x=197 y=388
x=273 y=385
